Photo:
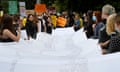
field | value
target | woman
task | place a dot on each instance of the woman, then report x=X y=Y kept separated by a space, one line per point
x=16 y=21
x=110 y=28
x=88 y=29
x=7 y=30
x=76 y=22
x=114 y=45
x=48 y=23
x=104 y=38
x=98 y=24
x=31 y=27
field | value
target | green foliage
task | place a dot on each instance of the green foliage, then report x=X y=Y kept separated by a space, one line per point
x=61 y=5
x=5 y=6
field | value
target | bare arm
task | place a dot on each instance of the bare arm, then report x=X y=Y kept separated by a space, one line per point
x=104 y=44
x=9 y=34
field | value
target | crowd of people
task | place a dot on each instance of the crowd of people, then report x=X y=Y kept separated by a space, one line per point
x=34 y=23
x=102 y=25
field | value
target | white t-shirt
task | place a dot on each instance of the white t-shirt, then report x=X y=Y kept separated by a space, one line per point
x=39 y=24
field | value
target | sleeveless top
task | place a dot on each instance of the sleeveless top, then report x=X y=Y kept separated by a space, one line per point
x=7 y=40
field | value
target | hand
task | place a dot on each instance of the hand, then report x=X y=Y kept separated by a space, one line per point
x=93 y=26
x=19 y=28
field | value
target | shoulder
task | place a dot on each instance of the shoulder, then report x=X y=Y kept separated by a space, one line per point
x=101 y=24
x=6 y=32
x=103 y=28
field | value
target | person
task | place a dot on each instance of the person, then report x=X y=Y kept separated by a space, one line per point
x=98 y=23
x=48 y=23
x=7 y=30
x=41 y=23
x=115 y=37
x=16 y=19
x=24 y=20
x=76 y=25
x=88 y=28
x=31 y=27
x=104 y=38
x=110 y=25
x=81 y=22
x=85 y=20
x=70 y=19
x=54 y=20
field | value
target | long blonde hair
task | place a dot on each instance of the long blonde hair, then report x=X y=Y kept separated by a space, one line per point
x=110 y=26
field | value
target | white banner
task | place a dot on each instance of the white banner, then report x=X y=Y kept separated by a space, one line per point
x=22 y=9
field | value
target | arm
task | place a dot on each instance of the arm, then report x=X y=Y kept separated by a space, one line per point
x=103 y=37
x=9 y=34
x=103 y=44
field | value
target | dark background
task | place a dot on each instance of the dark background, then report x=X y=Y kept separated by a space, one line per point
x=77 y=5
x=71 y=5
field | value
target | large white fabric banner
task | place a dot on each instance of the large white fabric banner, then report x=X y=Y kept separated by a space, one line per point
x=63 y=51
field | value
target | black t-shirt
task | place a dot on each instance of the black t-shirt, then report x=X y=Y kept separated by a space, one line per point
x=31 y=29
x=89 y=30
x=104 y=37
x=6 y=40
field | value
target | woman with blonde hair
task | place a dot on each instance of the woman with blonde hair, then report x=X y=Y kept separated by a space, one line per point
x=110 y=26
x=114 y=45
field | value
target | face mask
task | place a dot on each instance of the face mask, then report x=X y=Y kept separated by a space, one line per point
x=94 y=18
x=117 y=29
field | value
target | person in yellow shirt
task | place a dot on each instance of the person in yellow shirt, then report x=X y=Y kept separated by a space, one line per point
x=81 y=22
x=24 y=21
x=54 y=20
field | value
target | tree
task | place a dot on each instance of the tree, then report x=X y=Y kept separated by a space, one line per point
x=75 y=5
